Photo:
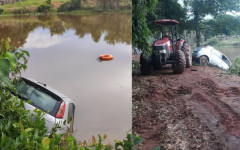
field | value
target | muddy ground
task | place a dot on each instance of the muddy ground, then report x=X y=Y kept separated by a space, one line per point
x=199 y=109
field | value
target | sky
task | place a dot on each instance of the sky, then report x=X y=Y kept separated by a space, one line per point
x=209 y=16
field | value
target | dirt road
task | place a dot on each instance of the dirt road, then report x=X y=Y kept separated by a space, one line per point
x=196 y=110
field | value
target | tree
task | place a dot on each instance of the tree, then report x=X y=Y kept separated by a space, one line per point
x=201 y=8
x=76 y=3
x=141 y=34
x=167 y=9
x=220 y=25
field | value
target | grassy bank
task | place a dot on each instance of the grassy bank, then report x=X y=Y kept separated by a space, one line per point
x=88 y=7
x=230 y=42
x=29 y=6
x=214 y=41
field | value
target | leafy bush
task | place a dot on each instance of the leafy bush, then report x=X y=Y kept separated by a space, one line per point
x=44 y=8
x=69 y=6
x=18 y=129
x=135 y=67
x=1 y=10
x=235 y=67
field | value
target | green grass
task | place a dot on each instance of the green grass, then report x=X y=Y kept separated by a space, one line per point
x=88 y=7
x=30 y=5
x=214 y=41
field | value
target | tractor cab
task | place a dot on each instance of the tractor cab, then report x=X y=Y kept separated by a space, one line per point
x=169 y=33
x=169 y=49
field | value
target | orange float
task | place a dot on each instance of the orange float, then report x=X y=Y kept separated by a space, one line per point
x=106 y=57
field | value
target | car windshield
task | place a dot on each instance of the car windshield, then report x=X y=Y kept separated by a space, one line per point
x=198 y=49
x=38 y=98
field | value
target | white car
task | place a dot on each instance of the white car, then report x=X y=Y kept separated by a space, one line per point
x=58 y=107
x=208 y=55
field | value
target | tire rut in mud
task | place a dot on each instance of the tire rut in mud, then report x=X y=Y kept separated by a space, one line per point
x=167 y=121
x=216 y=114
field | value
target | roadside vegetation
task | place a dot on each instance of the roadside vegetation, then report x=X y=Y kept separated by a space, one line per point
x=235 y=67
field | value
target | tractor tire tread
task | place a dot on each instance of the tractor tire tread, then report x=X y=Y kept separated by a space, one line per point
x=179 y=66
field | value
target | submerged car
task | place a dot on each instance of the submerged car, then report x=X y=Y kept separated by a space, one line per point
x=58 y=107
x=208 y=55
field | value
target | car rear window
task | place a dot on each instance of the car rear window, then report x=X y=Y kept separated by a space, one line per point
x=39 y=98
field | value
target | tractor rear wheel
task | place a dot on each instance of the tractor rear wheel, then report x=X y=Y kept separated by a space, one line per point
x=146 y=66
x=186 y=50
x=180 y=62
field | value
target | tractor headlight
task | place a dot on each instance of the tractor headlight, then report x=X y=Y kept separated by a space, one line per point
x=163 y=51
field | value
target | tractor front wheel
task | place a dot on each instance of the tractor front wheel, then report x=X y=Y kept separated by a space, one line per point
x=180 y=62
x=146 y=66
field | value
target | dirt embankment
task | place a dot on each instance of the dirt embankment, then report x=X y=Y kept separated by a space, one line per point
x=194 y=110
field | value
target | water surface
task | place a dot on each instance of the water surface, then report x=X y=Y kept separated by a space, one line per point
x=64 y=51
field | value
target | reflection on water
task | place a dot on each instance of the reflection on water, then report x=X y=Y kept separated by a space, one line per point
x=64 y=51
x=231 y=52
x=117 y=26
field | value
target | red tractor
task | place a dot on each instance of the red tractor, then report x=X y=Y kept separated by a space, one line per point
x=170 y=49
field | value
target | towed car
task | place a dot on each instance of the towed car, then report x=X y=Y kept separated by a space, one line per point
x=208 y=55
x=59 y=109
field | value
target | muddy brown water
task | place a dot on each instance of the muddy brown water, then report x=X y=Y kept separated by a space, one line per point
x=64 y=51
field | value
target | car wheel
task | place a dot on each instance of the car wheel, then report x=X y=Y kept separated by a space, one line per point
x=203 y=61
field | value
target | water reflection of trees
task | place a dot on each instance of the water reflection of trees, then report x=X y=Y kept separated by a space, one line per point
x=116 y=26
